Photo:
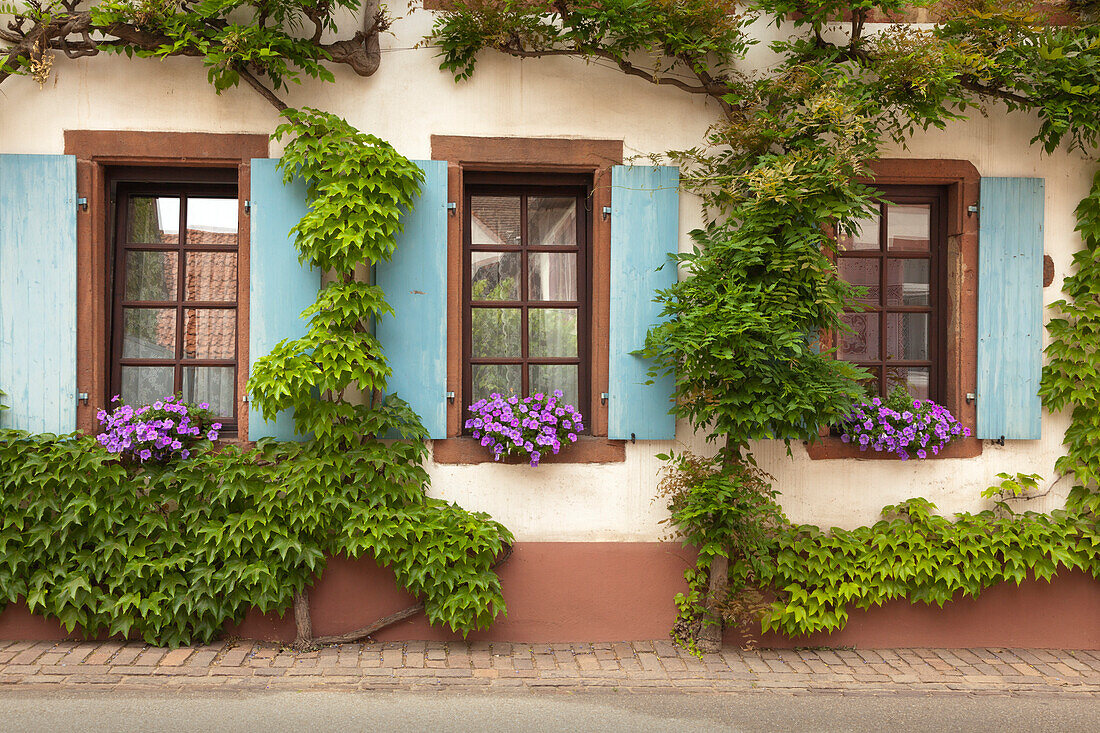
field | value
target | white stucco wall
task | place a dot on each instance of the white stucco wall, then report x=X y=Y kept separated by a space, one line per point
x=409 y=99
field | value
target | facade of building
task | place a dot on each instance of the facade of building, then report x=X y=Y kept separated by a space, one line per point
x=528 y=264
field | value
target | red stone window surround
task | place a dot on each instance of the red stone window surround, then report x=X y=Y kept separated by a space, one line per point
x=99 y=154
x=531 y=155
x=961 y=181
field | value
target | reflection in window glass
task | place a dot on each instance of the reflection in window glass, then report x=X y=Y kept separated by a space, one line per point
x=495 y=220
x=552 y=221
x=909 y=227
x=495 y=332
x=546 y=378
x=148 y=333
x=151 y=275
x=211 y=221
x=142 y=385
x=503 y=379
x=211 y=276
x=153 y=220
x=494 y=276
x=213 y=385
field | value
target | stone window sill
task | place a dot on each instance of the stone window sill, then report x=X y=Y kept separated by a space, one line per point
x=829 y=447
x=586 y=450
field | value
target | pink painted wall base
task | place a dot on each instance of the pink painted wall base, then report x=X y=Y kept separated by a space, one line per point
x=603 y=591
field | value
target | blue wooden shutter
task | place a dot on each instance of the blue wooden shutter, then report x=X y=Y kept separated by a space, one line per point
x=415 y=282
x=279 y=287
x=38 y=292
x=1010 y=308
x=645 y=203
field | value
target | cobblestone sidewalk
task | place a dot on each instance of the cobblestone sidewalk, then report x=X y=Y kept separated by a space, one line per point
x=630 y=666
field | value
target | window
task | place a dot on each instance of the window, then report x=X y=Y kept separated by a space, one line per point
x=175 y=294
x=526 y=313
x=899 y=257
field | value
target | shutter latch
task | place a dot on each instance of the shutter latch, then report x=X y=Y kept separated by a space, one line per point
x=606 y=211
x=247 y=206
x=603 y=398
x=452 y=208
x=82 y=397
x=971 y=398
x=451 y=397
x=972 y=209
x=82 y=202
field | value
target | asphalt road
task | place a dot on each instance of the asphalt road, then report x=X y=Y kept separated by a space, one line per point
x=318 y=712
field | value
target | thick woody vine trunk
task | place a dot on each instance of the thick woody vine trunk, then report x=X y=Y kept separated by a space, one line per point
x=710 y=632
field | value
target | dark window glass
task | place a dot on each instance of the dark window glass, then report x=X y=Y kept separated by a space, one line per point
x=175 y=304
x=525 y=290
x=898 y=257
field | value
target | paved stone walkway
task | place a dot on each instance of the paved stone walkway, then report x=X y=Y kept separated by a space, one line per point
x=625 y=666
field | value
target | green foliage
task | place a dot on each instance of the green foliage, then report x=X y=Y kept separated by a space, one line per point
x=698 y=32
x=171 y=555
x=920 y=556
x=1071 y=379
x=357 y=185
x=716 y=506
x=229 y=35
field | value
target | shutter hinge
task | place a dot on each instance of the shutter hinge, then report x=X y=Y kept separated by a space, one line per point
x=606 y=211
x=972 y=209
x=999 y=441
x=82 y=202
x=244 y=398
x=971 y=398
x=452 y=208
x=604 y=397
x=247 y=206
x=82 y=397
x=451 y=397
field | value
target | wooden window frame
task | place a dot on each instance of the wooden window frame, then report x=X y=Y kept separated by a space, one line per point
x=175 y=183
x=962 y=183
x=575 y=186
x=100 y=153
x=553 y=156
x=936 y=197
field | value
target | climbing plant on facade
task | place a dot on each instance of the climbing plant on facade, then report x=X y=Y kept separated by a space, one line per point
x=173 y=552
x=778 y=175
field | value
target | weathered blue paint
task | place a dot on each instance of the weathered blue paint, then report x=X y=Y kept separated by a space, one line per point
x=1010 y=308
x=415 y=282
x=280 y=287
x=38 y=292
x=644 y=231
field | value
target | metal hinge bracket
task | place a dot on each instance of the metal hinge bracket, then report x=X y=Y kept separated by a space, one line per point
x=452 y=208
x=247 y=206
x=82 y=202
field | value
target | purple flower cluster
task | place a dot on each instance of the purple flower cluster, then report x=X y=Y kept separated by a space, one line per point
x=529 y=426
x=902 y=425
x=160 y=432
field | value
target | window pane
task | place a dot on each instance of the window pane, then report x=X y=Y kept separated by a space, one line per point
x=150 y=276
x=907 y=336
x=505 y=379
x=494 y=220
x=914 y=379
x=908 y=227
x=861 y=343
x=211 y=221
x=209 y=333
x=546 y=378
x=211 y=276
x=552 y=220
x=552 y=276
x=907 y=282
x=494 y=332
x=494 y=275
x=143 y=385
x=552 y=332
x=863 y=272
x=149 y=333
x=153 y=220
x=213 y=385
x=865 y=236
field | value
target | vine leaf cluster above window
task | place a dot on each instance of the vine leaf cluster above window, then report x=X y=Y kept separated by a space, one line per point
x=265 y=44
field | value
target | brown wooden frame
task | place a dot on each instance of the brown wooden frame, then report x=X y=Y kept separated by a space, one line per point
x=474 y=155
x=962 y=182
x=99 y=152
x=577 y=186
x=936 y=197
x=153 y=182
